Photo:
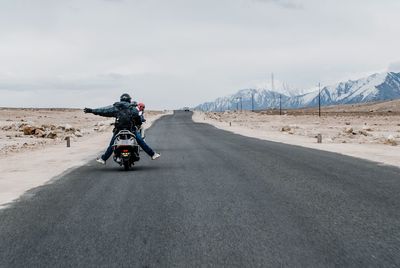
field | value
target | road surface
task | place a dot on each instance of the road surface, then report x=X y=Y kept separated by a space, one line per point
x=212 y=199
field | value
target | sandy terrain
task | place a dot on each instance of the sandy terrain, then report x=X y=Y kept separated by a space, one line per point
x=360 y=132
x=372 y=108
x=30 y=129
x=30 y=160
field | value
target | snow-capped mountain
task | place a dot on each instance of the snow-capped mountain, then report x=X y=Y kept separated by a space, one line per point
x=243 y=100
x=376 y=87
x=383 y=86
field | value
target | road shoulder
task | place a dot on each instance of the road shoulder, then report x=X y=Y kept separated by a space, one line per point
x=26 y=170
x=383 y=154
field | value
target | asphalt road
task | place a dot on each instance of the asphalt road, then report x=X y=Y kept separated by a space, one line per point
x=212 y=199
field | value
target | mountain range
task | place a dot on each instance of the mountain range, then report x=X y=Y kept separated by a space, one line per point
x=376 y=87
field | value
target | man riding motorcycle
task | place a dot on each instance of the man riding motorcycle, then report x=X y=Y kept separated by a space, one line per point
x=124 y=106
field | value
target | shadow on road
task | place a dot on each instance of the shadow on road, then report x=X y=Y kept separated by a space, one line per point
x=138 y=168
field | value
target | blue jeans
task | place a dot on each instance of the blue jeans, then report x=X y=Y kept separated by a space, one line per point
x=139 y=140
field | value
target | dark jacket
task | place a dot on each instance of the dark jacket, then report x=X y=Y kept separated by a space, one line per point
x=112 y=111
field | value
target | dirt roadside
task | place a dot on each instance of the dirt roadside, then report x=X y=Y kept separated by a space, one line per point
x=26 y=167
x=371 y=137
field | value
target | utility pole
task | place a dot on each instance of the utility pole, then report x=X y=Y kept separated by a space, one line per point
x=319 y=99
x=280 y=104
x=241 y=104
x=252 y=101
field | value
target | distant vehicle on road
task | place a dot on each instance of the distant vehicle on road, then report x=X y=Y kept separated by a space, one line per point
x=186 y=109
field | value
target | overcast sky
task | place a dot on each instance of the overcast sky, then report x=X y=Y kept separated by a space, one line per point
x=176 y=53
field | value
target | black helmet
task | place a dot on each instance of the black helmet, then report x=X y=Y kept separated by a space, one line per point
x=125 y=97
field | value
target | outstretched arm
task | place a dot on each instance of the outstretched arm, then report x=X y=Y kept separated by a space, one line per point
x=108 y=111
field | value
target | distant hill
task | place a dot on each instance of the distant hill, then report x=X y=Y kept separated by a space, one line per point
x=376 y=87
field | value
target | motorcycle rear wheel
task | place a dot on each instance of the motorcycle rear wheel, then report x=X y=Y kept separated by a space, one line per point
x=126 y=166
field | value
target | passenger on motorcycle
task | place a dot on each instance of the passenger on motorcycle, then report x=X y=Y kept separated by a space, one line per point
x=127 y=117
x=140 y=108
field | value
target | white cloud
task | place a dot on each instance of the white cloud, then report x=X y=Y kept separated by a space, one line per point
x=290 y=4
x=394 y=67
x=178 y=53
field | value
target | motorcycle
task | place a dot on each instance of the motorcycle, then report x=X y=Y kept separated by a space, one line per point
x=126 y=149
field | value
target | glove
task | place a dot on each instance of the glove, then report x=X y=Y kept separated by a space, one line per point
x=88 y=110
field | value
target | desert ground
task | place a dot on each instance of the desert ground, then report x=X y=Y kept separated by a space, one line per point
x=369 y=131
x=372 y=108
x=31 y=129
x=33 y=147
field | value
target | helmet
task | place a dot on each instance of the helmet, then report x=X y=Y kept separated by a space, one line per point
x=141 y=106
x=125 y=97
